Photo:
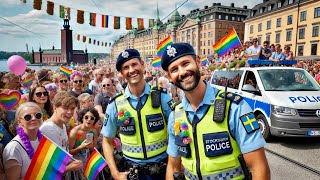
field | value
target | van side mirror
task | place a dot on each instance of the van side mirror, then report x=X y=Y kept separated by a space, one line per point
x=249 y=88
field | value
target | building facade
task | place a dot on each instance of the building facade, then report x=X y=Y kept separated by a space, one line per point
x=201 y=28
x=65 y=55
x=294 y=23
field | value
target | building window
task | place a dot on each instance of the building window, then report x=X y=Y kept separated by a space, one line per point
x=209 y=42
x=219 y=17
x=269 y=7
x=303 y=16
x=279 y=22
x=268 y=37
x=261 y=10
x=233 y=18
x=289 y=20
x=208 y=51
x=289 y=36
x=260 y=27
x=209 y=26
x=204 y=43
x=219 y=25
x=209 y=34
x=251 y=29
x=314 y=48
x=204 y=51
x=205 y=27
x=278 y=38
x=290 y=1
x=227 y=25
x=301 y=33
x=211 y=17
x=204 y=35
x=315 y=31
x=268 y=24
x=227 y=17
x=242 y=18
x=200 y=43
x=219 y=34
x=259 y=40
x=279 y=4
x=239 y=19
x=200 y=35
x=300 y=50
x=317 y=12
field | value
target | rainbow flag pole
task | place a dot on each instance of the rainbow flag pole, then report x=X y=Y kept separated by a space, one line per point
x=95 y=164
x=228 y=42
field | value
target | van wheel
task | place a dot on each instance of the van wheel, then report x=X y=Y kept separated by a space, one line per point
x=264 y=127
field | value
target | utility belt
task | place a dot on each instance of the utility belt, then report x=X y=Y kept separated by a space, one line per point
x=146 y=169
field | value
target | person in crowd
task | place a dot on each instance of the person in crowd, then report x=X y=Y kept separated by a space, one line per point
x=63 y=107
x=10 y=81
x=277 y=55
x=265 y=51
x=52 y=88
x=62 y=81
x=272 y=48
x=288 y=55
x=18 y=153
x=253 y=52
x=77 y=83
x=43 y=76
x=40 y=95
x=86 y=80
x=141 y=113
x=102 y=99
x=192 y=126
x=94 y=84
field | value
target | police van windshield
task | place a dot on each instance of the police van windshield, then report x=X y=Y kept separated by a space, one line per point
x=287 y=80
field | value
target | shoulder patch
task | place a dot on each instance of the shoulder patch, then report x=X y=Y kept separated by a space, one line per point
x=232 y=97
x=115 y=97
x=157 y=88
x=105 y=119
x=171 y=104
x=249 y=122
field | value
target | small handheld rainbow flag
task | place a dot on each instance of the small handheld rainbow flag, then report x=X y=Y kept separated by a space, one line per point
x=95 y=164
x=204 y=60
x=163 y=45
x=65 y=70
x=156 y=62
x=49 y=161
x=230 y=41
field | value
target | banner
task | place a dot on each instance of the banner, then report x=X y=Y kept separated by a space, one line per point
x=37 y=4
x=50 y=7
x=128 y=23
x=93 y=19
x=151 y=23
x=116 y=22
x=140 y=24
x=80 y=16
x=105 y=20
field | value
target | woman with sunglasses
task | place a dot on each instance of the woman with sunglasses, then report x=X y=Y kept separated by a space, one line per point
x=62 y=81
x=83 y=137
x=18 y=153
x=40 y=96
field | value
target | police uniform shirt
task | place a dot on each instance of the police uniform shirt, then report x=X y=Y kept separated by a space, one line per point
x=246 y=142
x=109 y=128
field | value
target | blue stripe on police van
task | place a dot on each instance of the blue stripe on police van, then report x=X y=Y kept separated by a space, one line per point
x=255 y=104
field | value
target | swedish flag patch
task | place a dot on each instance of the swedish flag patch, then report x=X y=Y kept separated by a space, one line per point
x=249 y=122
x=171 y=104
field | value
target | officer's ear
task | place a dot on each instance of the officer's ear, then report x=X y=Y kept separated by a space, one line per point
x=197 y=59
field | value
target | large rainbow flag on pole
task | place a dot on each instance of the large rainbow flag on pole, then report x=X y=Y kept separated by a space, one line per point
x=65 y=70
x=163 y=45
x=230 y=41
x=94 y=165
x=156 y=62
x=48 y=162
x=204 y=61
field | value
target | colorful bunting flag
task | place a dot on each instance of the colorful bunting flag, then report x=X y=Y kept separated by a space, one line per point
x=95 y=164
x=93 y=19
x=37 y=4
x=94 y=42
x=163 y=45
x=204 y=61
x=98 y=43
x=109 y=44
x=78 y=37
x=116 y=22
x=128 y=23
x=80 y=16
x=65 y=71
x=50 y=7
x=49 y=161
x=84 y=38
x=105 y=19
x=227 y=43
x=156 y=62
x=89 y=40
x=151 y=23
x=140 y=24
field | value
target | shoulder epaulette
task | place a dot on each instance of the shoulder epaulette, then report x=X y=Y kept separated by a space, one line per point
x=115 y=97
x=232 y=97
x=157 y=88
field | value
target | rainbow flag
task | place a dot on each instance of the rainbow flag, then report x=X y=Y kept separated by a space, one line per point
x=156 y=62
x=163 y=45
x=93 y=19
x=105 y=20
x=65 y=70
x=230 y=41
x=48 y=162
x=204 y=61
x=116 y=22
x=95 y=164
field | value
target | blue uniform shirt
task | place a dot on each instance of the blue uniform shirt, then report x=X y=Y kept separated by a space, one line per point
x=246 y=142
x=109 y=128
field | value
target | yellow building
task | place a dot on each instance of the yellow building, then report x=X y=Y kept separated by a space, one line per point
x=201 y=28
x=287 y=22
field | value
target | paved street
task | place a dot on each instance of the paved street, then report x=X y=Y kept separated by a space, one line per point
x=302 y=150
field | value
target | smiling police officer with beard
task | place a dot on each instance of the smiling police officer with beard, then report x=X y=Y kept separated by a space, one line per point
x=140 y=114
x=211 y=133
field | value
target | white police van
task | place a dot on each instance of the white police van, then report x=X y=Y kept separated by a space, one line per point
x=285 y=100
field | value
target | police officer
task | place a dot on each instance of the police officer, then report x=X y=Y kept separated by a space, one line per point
x=140 y=113
x=210 y=132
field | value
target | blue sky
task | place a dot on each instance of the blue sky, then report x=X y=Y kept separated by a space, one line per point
x=47 y=28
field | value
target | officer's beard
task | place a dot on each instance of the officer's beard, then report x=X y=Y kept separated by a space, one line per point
x=196 y=78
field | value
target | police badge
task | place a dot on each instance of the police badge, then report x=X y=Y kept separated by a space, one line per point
x=125 y=54
x=171 y=51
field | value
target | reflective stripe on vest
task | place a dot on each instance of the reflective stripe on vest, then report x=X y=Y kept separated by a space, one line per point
x=147 y=140
x=225 y=175
x=213 y=150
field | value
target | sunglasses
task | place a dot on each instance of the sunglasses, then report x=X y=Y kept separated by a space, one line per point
x=39 y=94
x=101 y=74
x=28 y=117
x=105 y=85
x=63 y=81
x=76 y=81
x=89 y=117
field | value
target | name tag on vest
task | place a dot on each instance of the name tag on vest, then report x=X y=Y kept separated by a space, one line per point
x=128 y=129
x=183 y=149
x=155 y=122
x=217 y=144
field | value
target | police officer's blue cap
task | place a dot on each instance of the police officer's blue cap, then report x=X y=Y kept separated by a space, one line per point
x=174 y=52
x=125 y=56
